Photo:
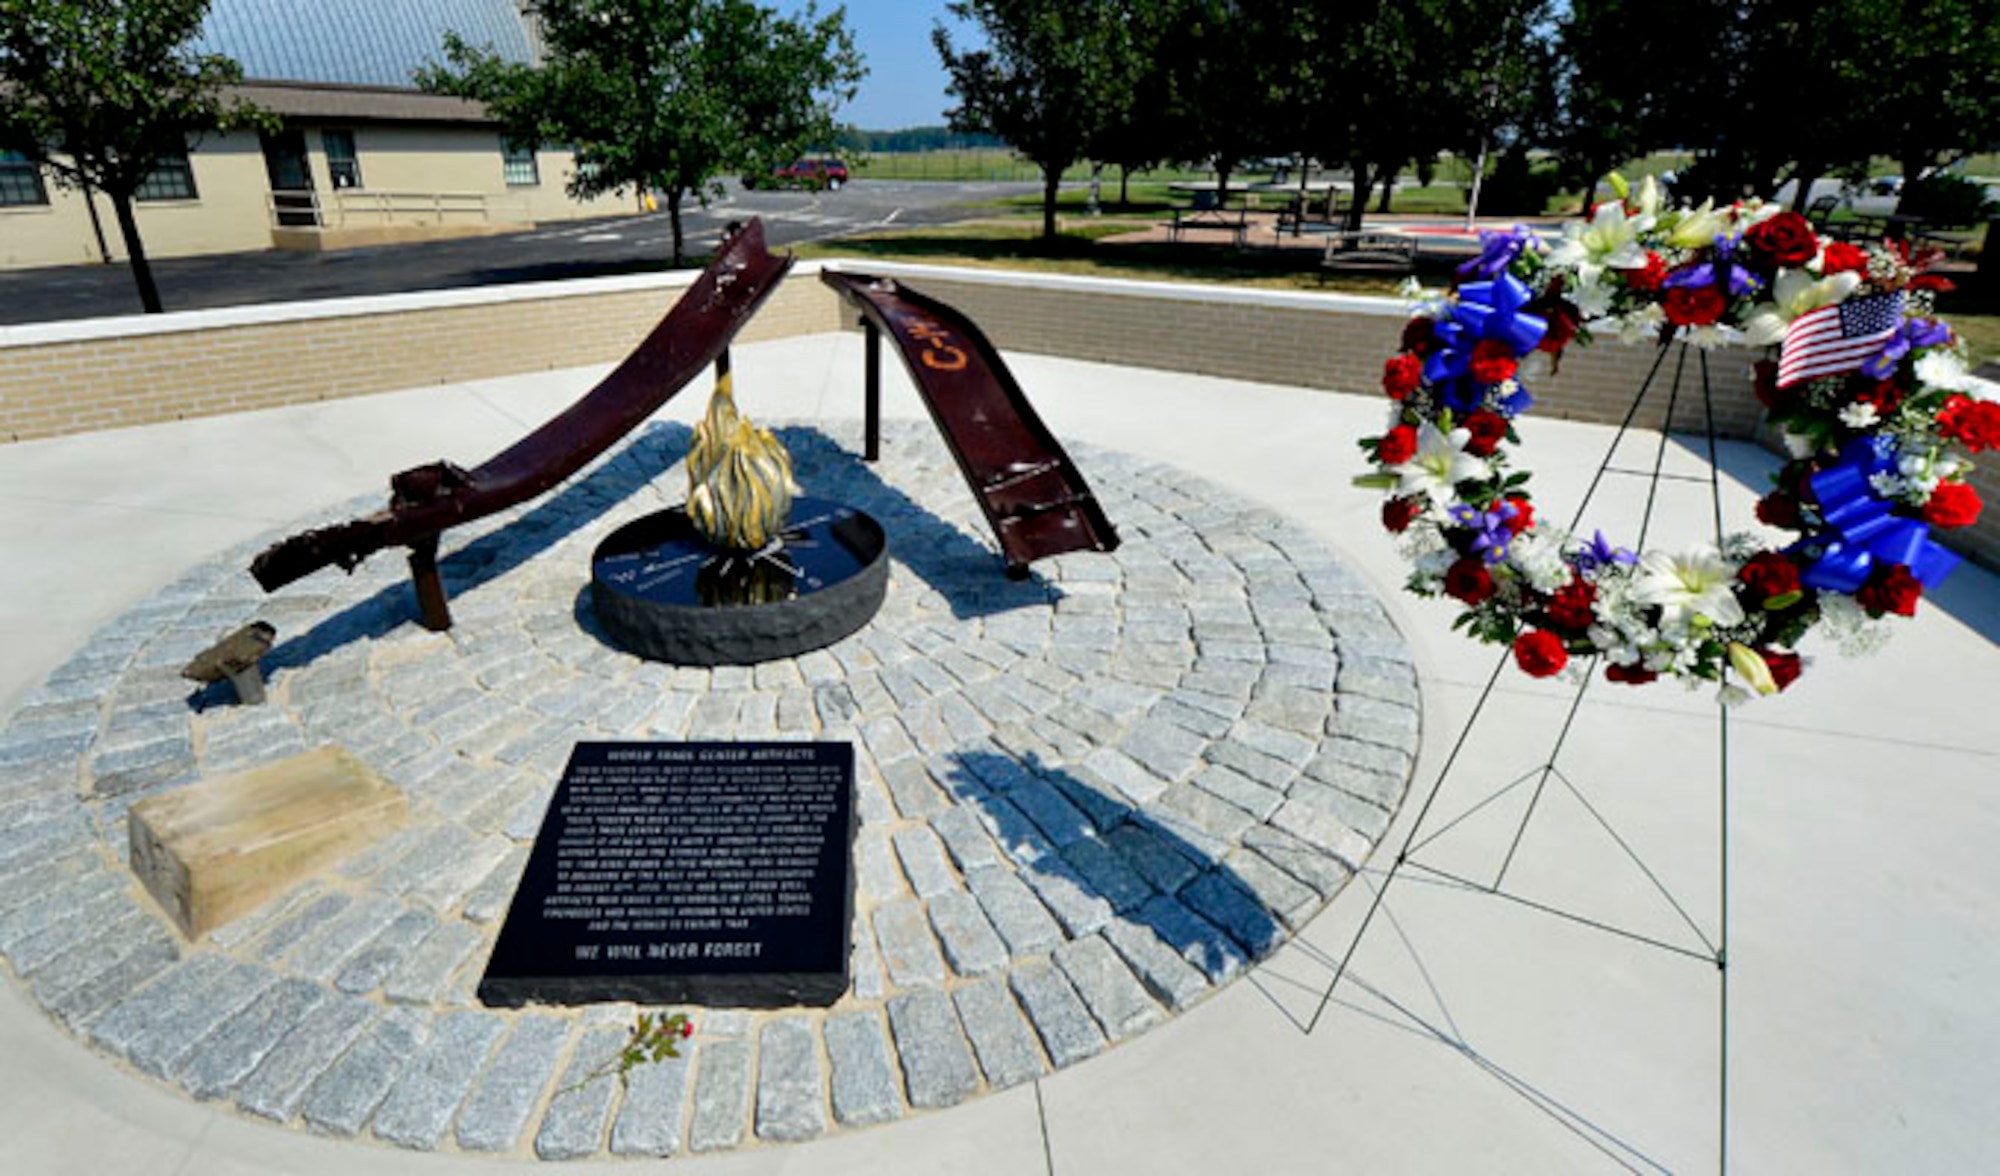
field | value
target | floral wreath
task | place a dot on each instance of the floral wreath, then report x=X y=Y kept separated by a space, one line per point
x=1867 y=386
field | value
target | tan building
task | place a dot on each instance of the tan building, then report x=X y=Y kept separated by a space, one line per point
x=356 y=162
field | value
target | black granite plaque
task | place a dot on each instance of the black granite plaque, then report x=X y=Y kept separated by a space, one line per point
x=686 y=873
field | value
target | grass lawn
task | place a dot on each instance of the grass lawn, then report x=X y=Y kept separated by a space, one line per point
x=1015 y=243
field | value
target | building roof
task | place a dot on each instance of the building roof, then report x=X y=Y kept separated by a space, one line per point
x=359 y=103
x=377 y=43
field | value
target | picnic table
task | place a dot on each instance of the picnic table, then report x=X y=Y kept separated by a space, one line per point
x=1210 y=211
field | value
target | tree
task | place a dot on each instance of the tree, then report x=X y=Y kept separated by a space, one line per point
x=1046 y=81
x=100 y=92
x=666 y=95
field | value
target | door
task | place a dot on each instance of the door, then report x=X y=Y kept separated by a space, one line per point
x=291 y=178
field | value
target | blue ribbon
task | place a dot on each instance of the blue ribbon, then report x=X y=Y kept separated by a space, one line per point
x=1861 y=531
x=1485 y=310
x=1497 y=250
x=1913 y=333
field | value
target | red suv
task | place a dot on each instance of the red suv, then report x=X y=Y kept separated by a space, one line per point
x=812 y=172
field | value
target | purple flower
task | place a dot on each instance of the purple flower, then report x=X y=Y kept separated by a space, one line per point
x=1490 y=532
x=1599 y=554
x=1719 y=270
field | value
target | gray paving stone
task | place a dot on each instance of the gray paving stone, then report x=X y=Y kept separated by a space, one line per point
x=105 y=973
x=56 y=908
x=876 y=876
x=276 y=1087
x=1124 y=774
x=1068 y=896
x=1315 y=867
x=227 y=1057
x=443 y=889
x=865 y=1087
x=916 y=795
x=791 y=1088
x=937 y=1064
x=1171 y=979
x=923 y=859
x=1019 y=838
x=51 y=943
x=1198 y=941
x=419 y=1108
x=1107 y=875
x=295 y=928
x=966 y=838
x=1108 y=988
x=1223 y=900
x=864 y=963
x=1168 y=751
x=1392 y=762
x=1232 y=786
x=1014 y=911
x=425 y=974
x=908 y=950
x=721 y=1096
x=499 y=1107
x=1000 y=1035
x=649 y=1121
x=1316 y=827
x=490 y=899
x=1060 y=821
x=373 y=964
x=1198 y=817
x=342 y=1098
x=970 y=944
x=574 y=1125
x=1066 y=1028
x=175 y=1030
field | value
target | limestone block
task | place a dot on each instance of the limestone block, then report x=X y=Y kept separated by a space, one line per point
x=218 y=849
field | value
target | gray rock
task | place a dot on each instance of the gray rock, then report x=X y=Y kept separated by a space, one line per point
x=229 y=1056
x=373 y=964
x=908 y=950
x=490 y=899
x=1014 y=911
x=917 y=797
x=970 y=944
x=649 y=1121
x=1107 y=875
x=1114 y=996
x=175 y=1030
x=721 y=1096
x=498 y=1110
x=1059 y=820
x=1234 y=787
x=328 y=948
x=924 y=862
x=876 y=875
x=864 y=963
x=276 y=943
x=1164 y=862
x=865 y=1087
x=60 y=907
x=1058 y=1015
x=574 y=1124
x=276 y=1087
x=419 y=1108
x=1000 y=1035
x=341 y=1099
x=1315 y=867
x=105 y=976
x=1198 y=941
x=1218 y=897
x=791 y=1090
x=1123 y=774
x=1168 y=751
x=1172 y=980
x=425 y=974
x=1068 y=896
x=965 y=837
x=937 y=1065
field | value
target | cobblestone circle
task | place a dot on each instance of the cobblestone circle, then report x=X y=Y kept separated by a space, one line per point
x=1086 y=801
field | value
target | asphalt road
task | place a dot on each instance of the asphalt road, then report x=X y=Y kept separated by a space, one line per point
x=567 y=249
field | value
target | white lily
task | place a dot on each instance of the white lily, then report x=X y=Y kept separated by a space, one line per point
x=1439 y=465
x=1794 y=293
x=1699 y=227
x=1608 y=240
x=1695 y=583
x=1649 y=200
x=1591 y=294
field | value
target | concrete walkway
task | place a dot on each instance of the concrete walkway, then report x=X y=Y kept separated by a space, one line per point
x=1862 y=929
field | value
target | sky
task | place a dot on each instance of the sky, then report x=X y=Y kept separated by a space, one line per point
x=905 y=82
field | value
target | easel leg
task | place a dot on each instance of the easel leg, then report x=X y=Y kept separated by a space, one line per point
x=434 y=610
x=872 y=392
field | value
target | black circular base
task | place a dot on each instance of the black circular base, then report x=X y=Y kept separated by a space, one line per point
x=661 y=591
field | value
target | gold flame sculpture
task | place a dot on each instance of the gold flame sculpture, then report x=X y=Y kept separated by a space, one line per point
x=740 y=483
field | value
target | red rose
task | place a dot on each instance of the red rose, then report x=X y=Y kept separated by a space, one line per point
x=1769 y=574
x=1420 y=336
x=1974 y=424
x=1786 y=239
x=1649 y=276
x=1488 y=429
x=1891 y=589
x=1840 y=257
x=1952 y=504
x=1524 y=514
x=1784 y=667
x=1397 y=446
x=1563 y=319
x=1885 y=395
x=1399 y=513
x=1540 y=653
x=1694 y=306
x=1570 y=607
x=687 y=1028
x=1633 y=675
x=1468 y=580
x=1779 y=509
x=1493 y=361
x=1401 y=375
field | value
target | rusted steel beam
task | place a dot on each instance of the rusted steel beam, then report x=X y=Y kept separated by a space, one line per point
x=1032 y=494
x=427 y=500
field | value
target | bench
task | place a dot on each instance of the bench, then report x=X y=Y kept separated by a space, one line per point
x=1370 y=249
x=1299 y=213
x=1208 y=212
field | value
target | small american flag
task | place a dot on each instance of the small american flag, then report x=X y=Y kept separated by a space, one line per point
x=1836 y=339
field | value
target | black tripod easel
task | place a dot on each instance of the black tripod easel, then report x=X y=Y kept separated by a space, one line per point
x=1698 y=945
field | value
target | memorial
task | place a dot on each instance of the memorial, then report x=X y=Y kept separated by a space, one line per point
x=671 y=873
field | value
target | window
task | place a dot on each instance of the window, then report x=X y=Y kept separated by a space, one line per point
x=518 y=165
x=172 y=179
x=20 y=180
x=341 y=163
